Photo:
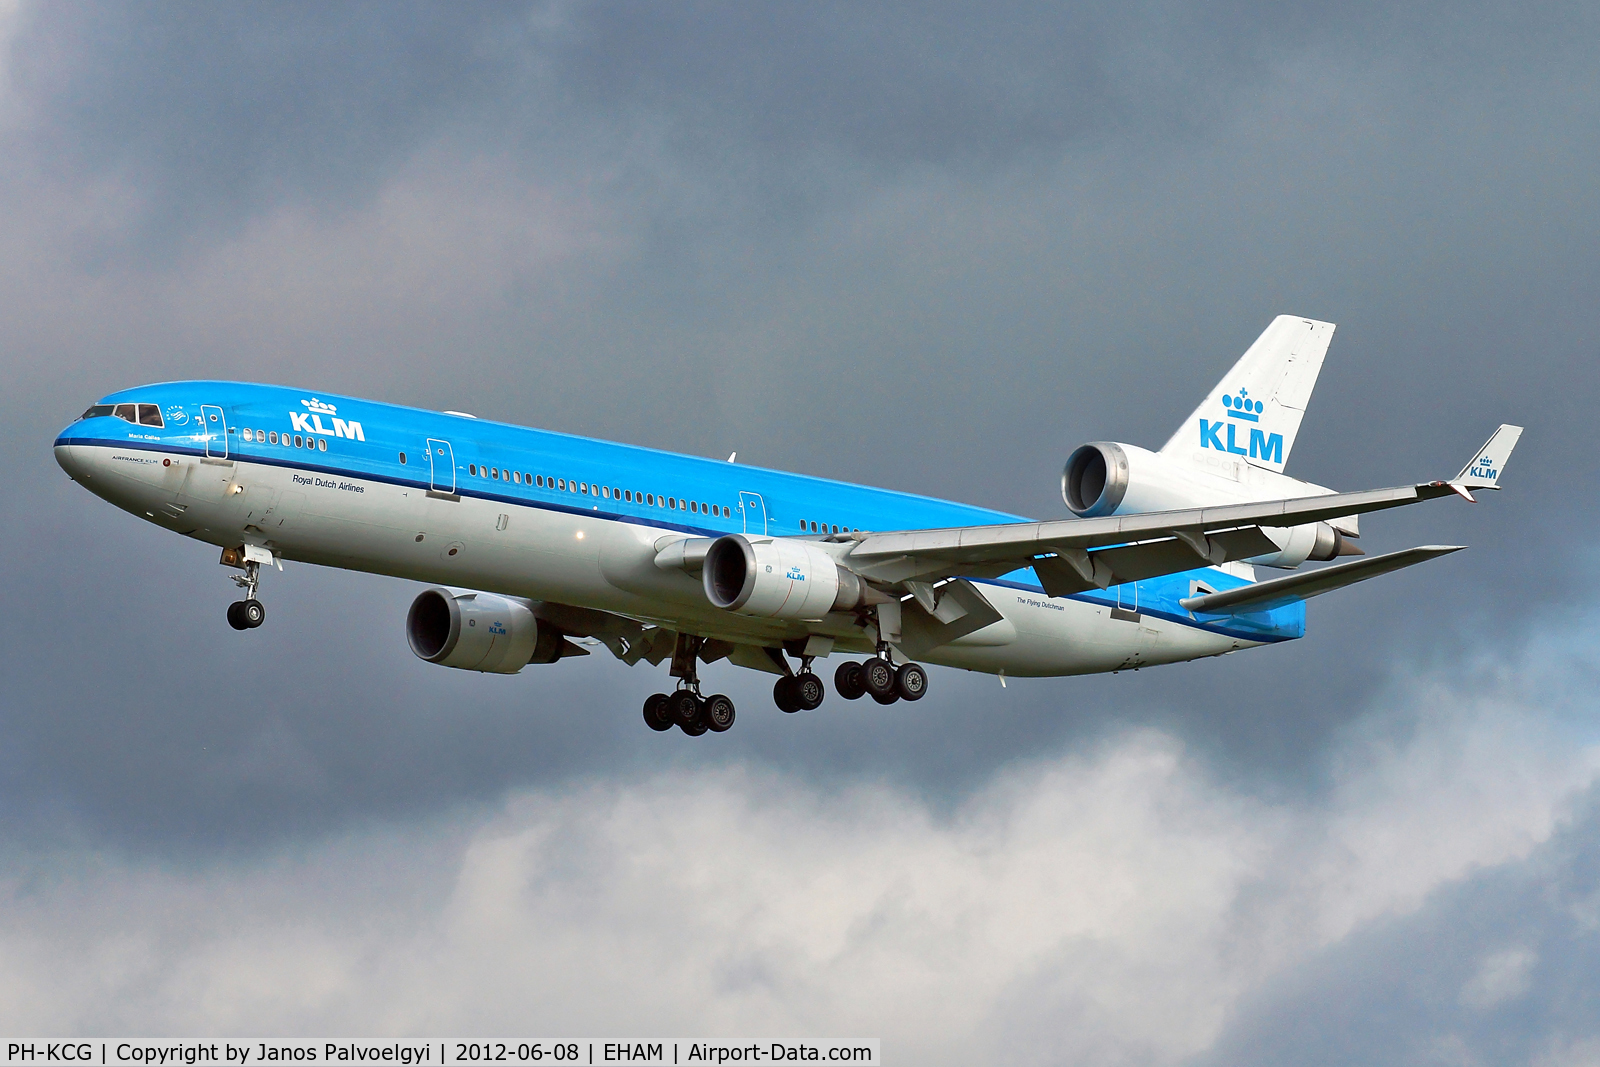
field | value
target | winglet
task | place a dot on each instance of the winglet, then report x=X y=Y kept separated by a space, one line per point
x=1484 y=470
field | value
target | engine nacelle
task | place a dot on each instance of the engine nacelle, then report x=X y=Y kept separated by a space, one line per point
x=479 y=632
x=1109 y=478
x=778 y=578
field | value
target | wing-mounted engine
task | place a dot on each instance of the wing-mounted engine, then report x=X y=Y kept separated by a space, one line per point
x=780 y=578
x=480 y=632
x=1110 y=478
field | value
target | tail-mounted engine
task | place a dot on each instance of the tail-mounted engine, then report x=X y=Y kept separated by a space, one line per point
x=1108 y=478
x=479 y=632
x=779 y=578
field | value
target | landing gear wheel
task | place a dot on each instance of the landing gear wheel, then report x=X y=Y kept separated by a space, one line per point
x=236 y=617
x=911 y=682
x=783 y=695
x=808 y=691
x=684 y=707
x=657 y=715
x=888 y=698
x=878 y=677
x=847 y=681
x=718 y=713
x=253 y=612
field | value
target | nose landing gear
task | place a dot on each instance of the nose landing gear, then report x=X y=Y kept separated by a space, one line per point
x=248 y=613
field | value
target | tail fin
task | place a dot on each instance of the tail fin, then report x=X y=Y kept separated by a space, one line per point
x=1255 y=410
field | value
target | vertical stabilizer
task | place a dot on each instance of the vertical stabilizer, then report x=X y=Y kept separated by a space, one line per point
x=1255 y=410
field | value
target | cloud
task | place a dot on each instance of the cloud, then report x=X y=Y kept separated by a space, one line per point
x=1115 y=905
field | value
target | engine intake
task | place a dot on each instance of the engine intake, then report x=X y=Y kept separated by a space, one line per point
x=1095 y=479
x=778 y=578
x=479 y=632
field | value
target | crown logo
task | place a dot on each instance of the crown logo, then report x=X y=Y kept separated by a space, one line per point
x=1242 y=407
x=318 y=406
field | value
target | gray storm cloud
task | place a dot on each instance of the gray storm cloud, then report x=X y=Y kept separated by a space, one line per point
x=1115 y=905
x=928 y=247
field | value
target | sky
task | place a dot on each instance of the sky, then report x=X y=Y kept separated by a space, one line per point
x=930 y=247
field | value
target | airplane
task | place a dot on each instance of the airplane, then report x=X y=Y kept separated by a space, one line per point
x=537 y=546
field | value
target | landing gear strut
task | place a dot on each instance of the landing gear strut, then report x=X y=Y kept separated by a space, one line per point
x=685 y=708
x=248 y=613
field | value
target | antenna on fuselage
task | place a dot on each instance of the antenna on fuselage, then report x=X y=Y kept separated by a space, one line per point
x=732 y=456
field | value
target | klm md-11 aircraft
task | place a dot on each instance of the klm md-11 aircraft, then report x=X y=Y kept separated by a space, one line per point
x=531 y=539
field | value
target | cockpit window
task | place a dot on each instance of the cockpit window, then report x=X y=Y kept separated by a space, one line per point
x=96 y=411
x=149 y=415
x=127 y=413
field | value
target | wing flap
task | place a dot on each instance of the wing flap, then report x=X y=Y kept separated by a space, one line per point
x=1264 y=596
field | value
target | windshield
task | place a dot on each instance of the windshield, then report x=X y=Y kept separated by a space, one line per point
x=138 y=414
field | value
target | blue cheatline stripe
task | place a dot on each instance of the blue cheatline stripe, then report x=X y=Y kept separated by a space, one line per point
x=1181 y=620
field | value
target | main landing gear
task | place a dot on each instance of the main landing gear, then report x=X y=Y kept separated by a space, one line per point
x=686 y=708
x=248 y=613
x=881 y=680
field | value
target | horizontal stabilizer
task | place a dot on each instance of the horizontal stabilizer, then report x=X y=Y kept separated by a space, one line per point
x=1264 y=596
x=1484 y=470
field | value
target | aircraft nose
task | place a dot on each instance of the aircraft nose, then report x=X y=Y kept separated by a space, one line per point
x=73 y=462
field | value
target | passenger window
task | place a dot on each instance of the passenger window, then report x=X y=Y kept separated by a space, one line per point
x=127 y=413
x=472 y=469
x=693 y=506
x=672 y=502
x=149 y=415
x=272 y=438
x=605 y=491
x=650 y=498
x=516 y=478
x=298 y=443
x=563 y=484
x=494 y=472
x=322 y=444
x=539 y=478
x=402 y=459
x=583 y=487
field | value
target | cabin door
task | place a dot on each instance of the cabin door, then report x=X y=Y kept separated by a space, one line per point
x=214 y=424
x=754 y=510
x=442 y=462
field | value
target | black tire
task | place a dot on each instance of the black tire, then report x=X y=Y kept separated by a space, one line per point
x=236 y=617
x=684 y=707
x=847 y=681
x=783 y=695
x=719 y=713
x=808 y=691
x=878 y=677
x=656 y=714
x=888 y=698
x=911 y=682
x=253 y=612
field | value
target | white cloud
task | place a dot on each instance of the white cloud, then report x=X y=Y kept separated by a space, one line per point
x=1111 y=906
x=1501 y=976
